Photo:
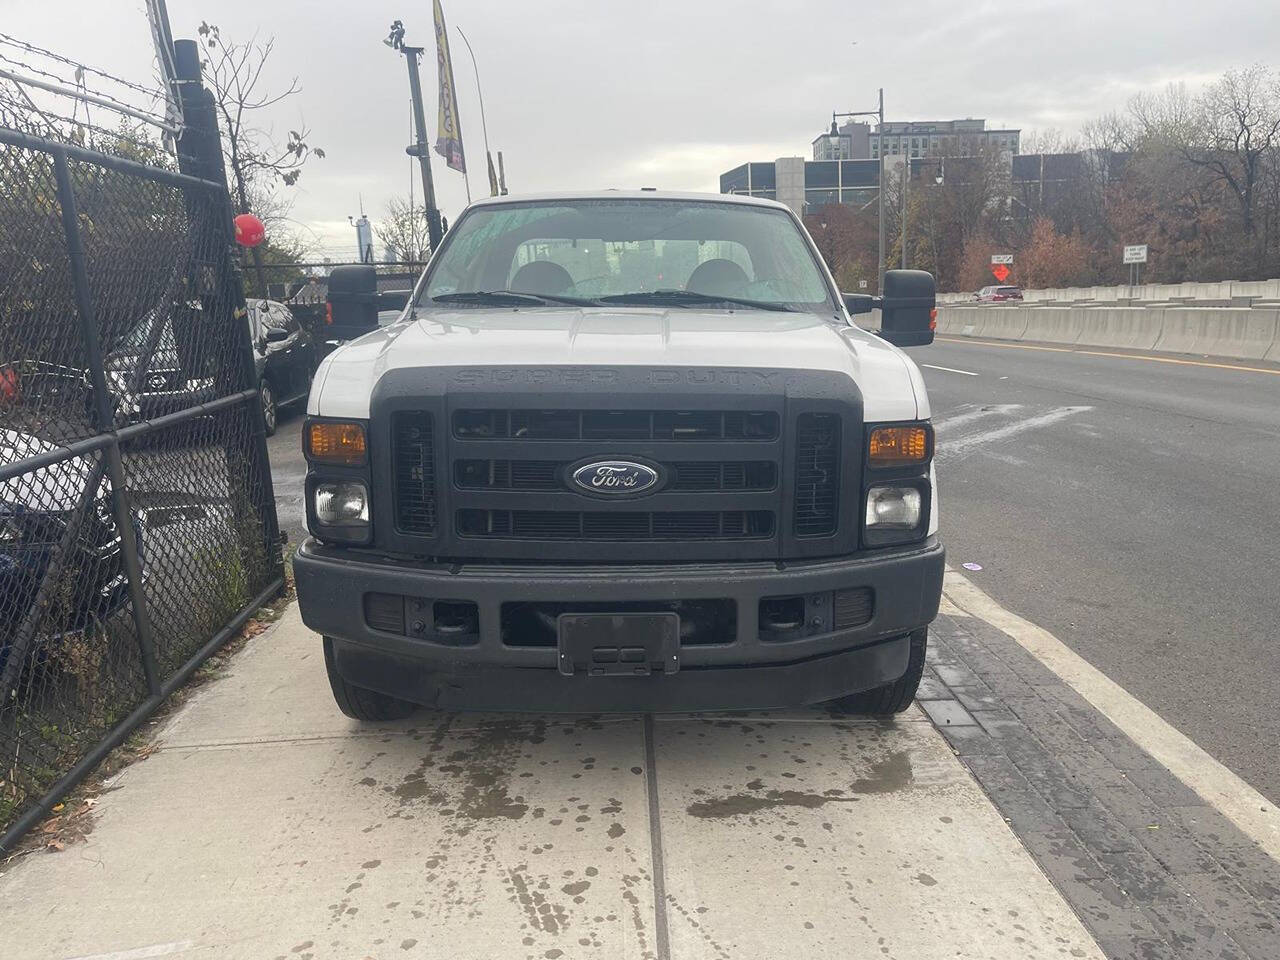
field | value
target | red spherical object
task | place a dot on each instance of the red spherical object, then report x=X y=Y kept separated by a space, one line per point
x=249 y=230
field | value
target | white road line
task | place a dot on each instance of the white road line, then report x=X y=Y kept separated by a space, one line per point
x=991 y=410
x=967 y=373
x=1234 y=799
x=953 y=447
x=141 y=953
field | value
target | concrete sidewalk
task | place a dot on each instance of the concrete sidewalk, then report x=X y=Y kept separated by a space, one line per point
x=267 y=825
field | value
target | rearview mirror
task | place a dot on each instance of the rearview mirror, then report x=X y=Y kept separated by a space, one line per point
x=907 y=309
x=352 y=308
x=277 y=334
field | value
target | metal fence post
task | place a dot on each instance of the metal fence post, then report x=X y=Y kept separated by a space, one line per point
x=104 y=418
x=200 y=155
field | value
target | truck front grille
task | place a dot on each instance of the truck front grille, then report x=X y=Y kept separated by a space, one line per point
x=478 y=475
x=817 y=474
x=615 y=526
x=414 y=471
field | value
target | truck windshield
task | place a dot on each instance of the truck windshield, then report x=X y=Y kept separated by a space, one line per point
x=627 y=252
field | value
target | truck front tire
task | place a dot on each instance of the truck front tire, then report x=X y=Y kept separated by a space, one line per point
x=360 y=703
x=892 y=697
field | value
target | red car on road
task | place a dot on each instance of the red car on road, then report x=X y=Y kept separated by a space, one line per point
x=998 y=294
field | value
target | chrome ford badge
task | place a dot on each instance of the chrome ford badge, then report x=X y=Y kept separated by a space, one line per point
x=614 y=478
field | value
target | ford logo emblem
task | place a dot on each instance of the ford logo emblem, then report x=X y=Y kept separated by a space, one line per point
x=614 y=478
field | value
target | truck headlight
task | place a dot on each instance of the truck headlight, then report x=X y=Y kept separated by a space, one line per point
x=342 y=505
x=893 y=514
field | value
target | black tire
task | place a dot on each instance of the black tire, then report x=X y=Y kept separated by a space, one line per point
x=270 y=409
x=892 y=697
x=359 y=703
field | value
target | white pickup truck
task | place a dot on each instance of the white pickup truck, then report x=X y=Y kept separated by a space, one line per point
x=622 y=451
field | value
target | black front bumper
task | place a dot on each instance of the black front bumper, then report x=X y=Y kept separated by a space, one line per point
x=742 y=671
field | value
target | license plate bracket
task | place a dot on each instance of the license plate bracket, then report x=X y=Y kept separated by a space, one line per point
x=618 y=644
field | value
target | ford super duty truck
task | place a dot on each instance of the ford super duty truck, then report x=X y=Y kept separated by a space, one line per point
x=622 y=451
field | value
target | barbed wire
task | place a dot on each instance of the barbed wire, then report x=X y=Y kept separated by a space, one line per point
x=142 y=113
x=32 y=48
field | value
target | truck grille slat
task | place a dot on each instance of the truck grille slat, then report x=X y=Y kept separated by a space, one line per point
x=692 y=476
x=817 y=474
x=615 y=425
x=601 y=525
x=414 y=469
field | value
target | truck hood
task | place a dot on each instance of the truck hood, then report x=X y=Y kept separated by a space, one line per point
x=592 y=336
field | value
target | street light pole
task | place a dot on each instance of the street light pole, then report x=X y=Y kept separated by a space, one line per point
x=420 y=148
x=906 y=179
x=484 y=127
x=880 y=181
x=878 y=113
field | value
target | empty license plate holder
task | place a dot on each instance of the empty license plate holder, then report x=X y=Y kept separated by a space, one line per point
x=618 y=644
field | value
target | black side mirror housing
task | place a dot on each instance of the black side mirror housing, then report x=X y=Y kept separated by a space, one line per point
x=859 y=302
x=907 y=309
x=277 y=334
x=352 y=302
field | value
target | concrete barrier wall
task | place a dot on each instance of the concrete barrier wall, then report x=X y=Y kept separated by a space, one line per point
x=1050 y=325
x=1239 y=292
x=1236 y=332
x=1132 y=327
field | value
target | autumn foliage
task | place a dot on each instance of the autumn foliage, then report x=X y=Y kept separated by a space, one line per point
x=1196 y=177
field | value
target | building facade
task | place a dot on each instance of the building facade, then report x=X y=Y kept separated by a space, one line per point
x=940 y=138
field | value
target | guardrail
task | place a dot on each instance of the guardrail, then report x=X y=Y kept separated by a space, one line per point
x=1240 y=293
x=1241 y=333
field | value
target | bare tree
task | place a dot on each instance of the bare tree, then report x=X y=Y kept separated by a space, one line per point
x=404 y=230
x=1239 y=129
x=258 y=162
x=1049 y=140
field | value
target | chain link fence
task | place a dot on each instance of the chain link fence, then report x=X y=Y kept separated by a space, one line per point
x=137 y=523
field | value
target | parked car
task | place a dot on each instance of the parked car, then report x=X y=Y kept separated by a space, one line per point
x=997 y=294
x=35 y=509
x=285 y=359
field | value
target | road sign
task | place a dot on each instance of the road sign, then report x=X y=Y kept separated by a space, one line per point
x=1000 y=272
x=1002 y=258
x=1135 y=253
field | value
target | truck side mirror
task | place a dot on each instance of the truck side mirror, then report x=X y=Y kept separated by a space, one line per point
x=352 y=307
x=907 y=310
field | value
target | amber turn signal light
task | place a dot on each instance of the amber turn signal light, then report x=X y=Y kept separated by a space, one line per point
x=336 y=442
x=899 y=446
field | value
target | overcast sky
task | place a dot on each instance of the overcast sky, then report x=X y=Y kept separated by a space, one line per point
x=667 y=93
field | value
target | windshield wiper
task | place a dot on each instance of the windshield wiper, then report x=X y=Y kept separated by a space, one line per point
x=509 y=297
x=690 y=297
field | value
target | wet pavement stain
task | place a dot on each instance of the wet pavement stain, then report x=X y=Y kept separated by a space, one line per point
x=745 y=803
x=887 y=776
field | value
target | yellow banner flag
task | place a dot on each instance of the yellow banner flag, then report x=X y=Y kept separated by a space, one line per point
x=449 y=140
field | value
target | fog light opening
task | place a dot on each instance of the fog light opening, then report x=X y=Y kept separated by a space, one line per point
x=781 y=614
x=455 y=618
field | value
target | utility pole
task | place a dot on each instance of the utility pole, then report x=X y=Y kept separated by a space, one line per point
x=419 y=149
x=878 y=113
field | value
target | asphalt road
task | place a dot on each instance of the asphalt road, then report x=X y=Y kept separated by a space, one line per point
x=288 y=472
x=1130 y=507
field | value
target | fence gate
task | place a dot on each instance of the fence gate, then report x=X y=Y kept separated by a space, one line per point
x=137 y=522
